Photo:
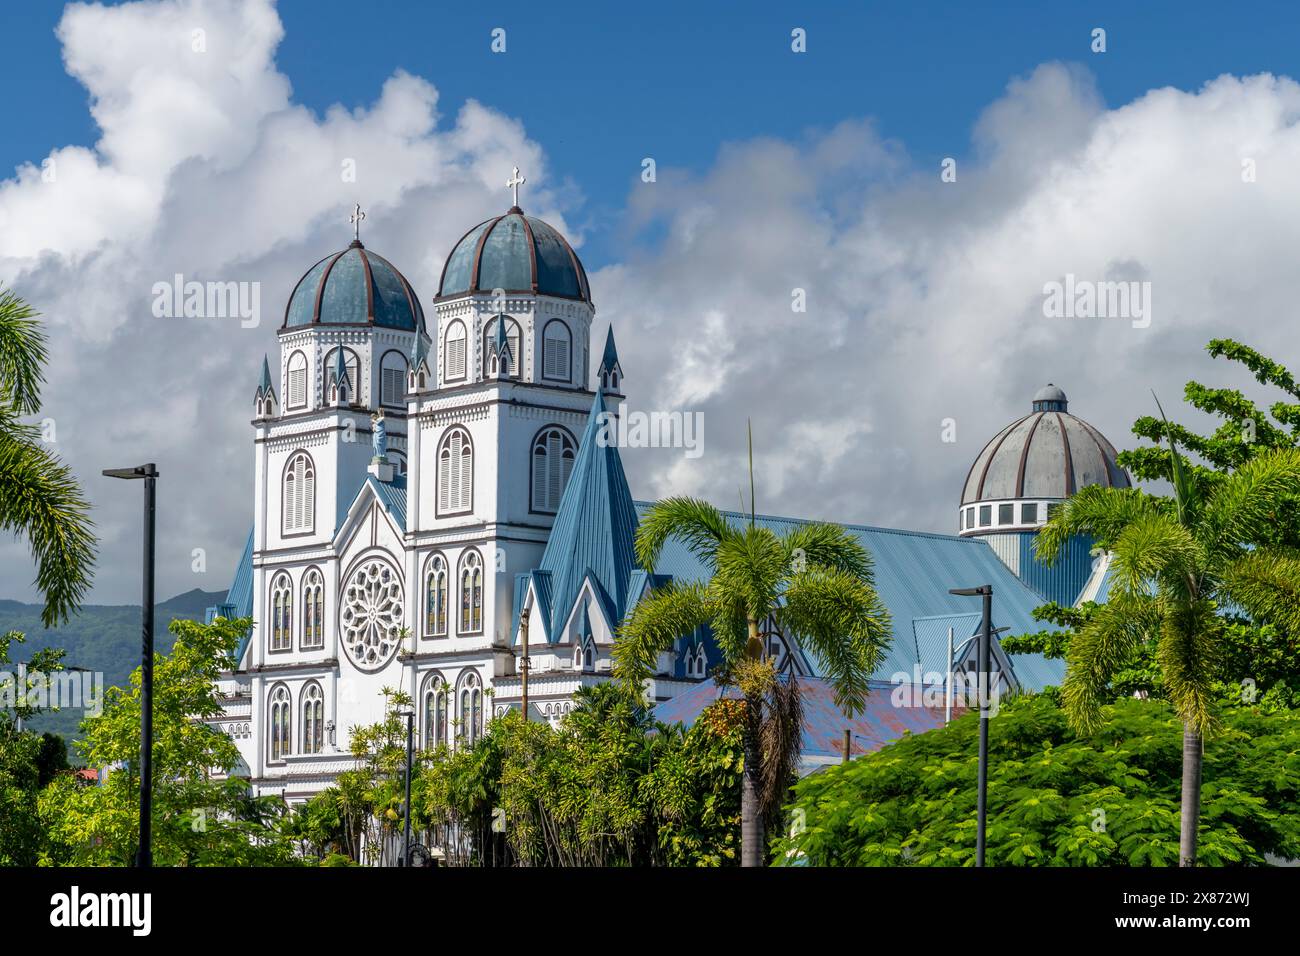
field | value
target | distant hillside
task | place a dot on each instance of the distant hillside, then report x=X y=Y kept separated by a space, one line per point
x=101 y=637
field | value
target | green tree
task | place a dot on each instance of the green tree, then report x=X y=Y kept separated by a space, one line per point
x=1176 y=563
x=28 y=761
x=202 y=815
x=814 y=582
x=39 y=498
x=1109 y=797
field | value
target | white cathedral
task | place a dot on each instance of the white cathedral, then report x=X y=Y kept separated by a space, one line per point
x=430 y=496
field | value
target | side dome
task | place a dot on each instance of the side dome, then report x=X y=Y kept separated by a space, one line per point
x=354 y=287
x=516 y=253
x=1047 y=455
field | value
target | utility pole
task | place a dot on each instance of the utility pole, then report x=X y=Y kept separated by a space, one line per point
x=149 y=472
x=406 y=811
x=985 y=591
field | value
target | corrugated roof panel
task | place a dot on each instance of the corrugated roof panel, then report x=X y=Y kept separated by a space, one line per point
x=913 y=573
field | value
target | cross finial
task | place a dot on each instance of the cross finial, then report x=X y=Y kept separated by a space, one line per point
x=355 y=219
x=514 y=182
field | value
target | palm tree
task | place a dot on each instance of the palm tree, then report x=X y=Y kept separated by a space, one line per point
x=1176 y=563
x=814 y=581
x=39 y=498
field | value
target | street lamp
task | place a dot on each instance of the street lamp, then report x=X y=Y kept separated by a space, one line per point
x=986 y=627
x=406 y=809
x=149 y=472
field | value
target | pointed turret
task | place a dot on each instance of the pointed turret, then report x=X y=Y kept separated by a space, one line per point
x=265 y=402
x=594 y=529
x=611 y=373
x=503 y=360
x=421 y=374
x=341 y=394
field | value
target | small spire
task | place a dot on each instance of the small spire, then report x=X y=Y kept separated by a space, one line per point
x=264 y=385
x=419 y=351
x=502 y=343
x=610 y=358
x=341 y=380
x=513 y=183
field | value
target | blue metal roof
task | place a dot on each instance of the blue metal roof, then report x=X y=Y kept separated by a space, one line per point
x=913 y=572
x=240 y=595
x=391 y=494
x=594 y=530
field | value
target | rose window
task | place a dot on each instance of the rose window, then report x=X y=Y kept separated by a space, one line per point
x=371 y=616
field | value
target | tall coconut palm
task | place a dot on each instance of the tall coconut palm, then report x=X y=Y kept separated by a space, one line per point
x=39 y=498
x=1176 y=564
x=813 y=583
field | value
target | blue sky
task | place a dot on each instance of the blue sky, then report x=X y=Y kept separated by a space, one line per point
x=778 y=172
x=602 y=85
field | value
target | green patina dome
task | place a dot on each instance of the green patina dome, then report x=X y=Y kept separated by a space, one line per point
x=518 y=254
x=354 y=287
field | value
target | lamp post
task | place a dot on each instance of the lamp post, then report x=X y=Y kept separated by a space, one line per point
x=986 y=626
x=149 y=472
x=406 y=809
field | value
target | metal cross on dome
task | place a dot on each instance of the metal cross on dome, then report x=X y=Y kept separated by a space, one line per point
x=514 y=183
x=355 y=219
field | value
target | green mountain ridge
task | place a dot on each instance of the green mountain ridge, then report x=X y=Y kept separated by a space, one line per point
x=100 y=637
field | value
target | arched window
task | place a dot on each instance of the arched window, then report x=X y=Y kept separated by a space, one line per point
x=471 y=593
x=490 y=358
x=280 y=725
x=296 y=393
x=313 y=610
x=470 y=708
x=281 y=613
x=436 y=588
x=299 y=494
x=555 y=351
x=455 y=472
x=552 y=461
x=454 y=352
x=313 y=719
x=352 y=365
x=392 y=379
x=696 y=663
x=398 y=461
x=588 y=657
x=435 y=712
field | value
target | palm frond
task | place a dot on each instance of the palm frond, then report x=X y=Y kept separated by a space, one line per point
x=693 y=521
x=781 y=742
x=1156 y=546
x=41 y=500
x=22 y=354
x=1186 y=497
x=1101 y=648
x=1101 y=513
x=845 y=625
x=658 y=619
x=1188 y=654
x=1243 y=508
x=821 y=544
x=1265 y=583
x=749 y=569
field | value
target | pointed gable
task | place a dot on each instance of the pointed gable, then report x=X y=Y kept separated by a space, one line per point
x=594 y=529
